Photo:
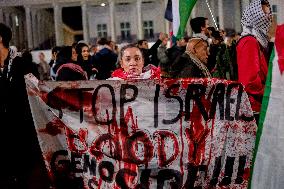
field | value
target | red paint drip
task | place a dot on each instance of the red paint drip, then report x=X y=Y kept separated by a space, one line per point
x=53 y=127
x=129 y=117
x=246 y=174
x=129 y=179
x=169 y=83
x=182 y=148
x=80 y=137
x=211 y=134
x=100 y=183
x=162 y=154
x=196 y=136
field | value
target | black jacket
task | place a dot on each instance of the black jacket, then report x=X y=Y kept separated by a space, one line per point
x=183 y=67
x=151 y=55
x=105 y=62
x=21 y=146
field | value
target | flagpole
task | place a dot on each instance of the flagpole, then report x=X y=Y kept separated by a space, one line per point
x=212 y=14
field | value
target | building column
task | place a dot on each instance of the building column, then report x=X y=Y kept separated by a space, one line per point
x=58 y=24
x=238 y=16
x=139 y=19
x=221 y=14
x=35 y=28
x=1 y=15
x=7 y=19
x=14 y=30
x=39 y=27
x=112 y=19
x=29 y=27
x=85 y=21
x=21 y=34
x=167 y=24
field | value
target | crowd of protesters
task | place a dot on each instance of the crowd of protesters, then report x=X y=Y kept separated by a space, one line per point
x=208 y=53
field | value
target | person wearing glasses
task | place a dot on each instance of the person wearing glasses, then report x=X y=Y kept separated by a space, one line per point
x=192 y=63
x=252 y=51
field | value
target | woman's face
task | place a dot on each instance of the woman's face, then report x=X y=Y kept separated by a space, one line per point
x=267 y=11
x=85 y=53
x=74 y=55
x=132 y=61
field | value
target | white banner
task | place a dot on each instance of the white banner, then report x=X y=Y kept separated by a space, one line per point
x=190 y=133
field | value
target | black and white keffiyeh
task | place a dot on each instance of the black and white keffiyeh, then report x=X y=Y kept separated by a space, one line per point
x=199 y=64
x=256 y=23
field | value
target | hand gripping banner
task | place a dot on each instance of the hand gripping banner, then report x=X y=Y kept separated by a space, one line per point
x=187 y=133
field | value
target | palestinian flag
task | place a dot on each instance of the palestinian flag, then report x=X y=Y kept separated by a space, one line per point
x=268 y=161
x=181 y=10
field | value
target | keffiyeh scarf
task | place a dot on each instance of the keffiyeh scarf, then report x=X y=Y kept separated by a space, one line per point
x=256 y=23
x=199 y=64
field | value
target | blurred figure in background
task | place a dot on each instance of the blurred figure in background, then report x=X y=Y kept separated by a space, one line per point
x=43 y=67
x=151 y=55
x=104 y=60
x=74 y=53
x=54 y=52
x=84 y=58
x=66 y=69
x=199 y=26
x=170 y=55
x=28 y=59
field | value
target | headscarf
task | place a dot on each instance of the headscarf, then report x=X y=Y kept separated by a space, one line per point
x=256 y=23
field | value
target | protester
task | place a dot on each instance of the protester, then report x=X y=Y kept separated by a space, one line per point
x=252 y=48
x=151 y=55
x=66 y=69
x=71 y=72
x=93 y=50
x=199 y=27
x=52 y=63
x=84 y=58
x=132 y=65
x=104 y=60
x=222 y=59
x=21 y=154
x=54 y=52
x=28 y=59
x=171 y=54
x=193 y=62
x=43 y=67
x=74 y=53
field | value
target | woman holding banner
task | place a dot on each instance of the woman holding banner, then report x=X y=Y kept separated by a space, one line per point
x=132 y=65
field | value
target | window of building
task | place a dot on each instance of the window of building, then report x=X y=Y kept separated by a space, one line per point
x=102 y=30
x=148 y=28
x=125 y=30
x=274 y=12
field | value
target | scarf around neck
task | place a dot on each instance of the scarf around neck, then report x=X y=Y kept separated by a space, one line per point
x=199 y=64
